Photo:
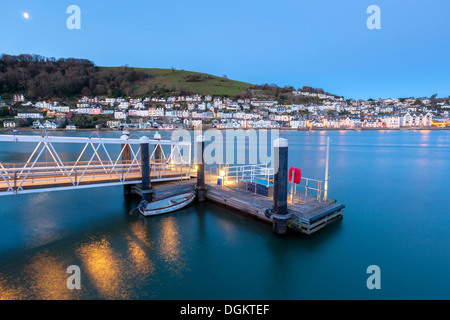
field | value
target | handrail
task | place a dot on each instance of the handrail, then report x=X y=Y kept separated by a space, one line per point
x=297 y=195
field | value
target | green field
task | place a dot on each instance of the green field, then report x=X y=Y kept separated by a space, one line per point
x=191 y=81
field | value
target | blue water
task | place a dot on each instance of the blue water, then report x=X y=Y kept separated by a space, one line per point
x=394 y=184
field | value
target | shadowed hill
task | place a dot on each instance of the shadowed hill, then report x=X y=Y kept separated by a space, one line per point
x=42 y=78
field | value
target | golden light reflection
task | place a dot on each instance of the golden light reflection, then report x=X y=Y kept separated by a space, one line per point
x=139 y=230
x=141 y=261
x=48 y=277
x=170 y=240
x=105 y=269
x=8 y=292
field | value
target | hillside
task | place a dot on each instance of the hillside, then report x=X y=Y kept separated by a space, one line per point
x=182 y=81
x=69 y=79
x=44 y=78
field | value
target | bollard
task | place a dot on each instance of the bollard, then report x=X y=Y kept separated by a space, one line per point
x=198 y=160
x=126 y=160
x=280 y=213
x=145 y=168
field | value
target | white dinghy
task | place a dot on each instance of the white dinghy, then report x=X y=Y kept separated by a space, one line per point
x=166 y=205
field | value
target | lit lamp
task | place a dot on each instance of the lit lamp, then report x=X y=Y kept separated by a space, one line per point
x=222 y=175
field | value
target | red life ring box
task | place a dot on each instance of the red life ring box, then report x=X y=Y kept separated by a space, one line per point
x=297 y=173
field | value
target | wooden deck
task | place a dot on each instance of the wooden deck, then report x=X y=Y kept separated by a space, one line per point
x=305 y=217
x=161 y=190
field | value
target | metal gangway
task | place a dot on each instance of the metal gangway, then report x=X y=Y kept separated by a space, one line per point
x=65 y=163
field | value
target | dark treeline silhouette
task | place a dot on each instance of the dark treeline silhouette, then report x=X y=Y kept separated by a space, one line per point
x=39 y=77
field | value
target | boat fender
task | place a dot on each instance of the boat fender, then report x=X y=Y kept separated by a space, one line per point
x=268 y=213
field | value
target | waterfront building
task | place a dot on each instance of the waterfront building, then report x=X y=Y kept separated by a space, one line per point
x=414 y=120
x=9 y=124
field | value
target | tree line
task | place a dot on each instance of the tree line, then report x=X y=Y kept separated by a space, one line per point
x=39 y=77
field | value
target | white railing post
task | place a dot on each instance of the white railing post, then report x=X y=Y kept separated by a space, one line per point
x=325 y=193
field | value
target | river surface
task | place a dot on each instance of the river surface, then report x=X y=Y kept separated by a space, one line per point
x=394 y=184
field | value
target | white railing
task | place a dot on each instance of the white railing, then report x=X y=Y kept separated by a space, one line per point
x=247 y=173
x=241 y=177
x=244 y=177
x=307 y=191
x=99 y=163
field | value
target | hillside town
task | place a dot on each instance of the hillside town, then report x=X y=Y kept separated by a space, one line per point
x=326 y=112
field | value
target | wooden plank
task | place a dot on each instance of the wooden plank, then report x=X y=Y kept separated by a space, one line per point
x=316 y=217
x=238 y=203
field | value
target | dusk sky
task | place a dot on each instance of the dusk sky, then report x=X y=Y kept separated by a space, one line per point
x=322 y=43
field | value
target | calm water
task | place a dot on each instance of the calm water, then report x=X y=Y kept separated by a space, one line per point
x=395 y=186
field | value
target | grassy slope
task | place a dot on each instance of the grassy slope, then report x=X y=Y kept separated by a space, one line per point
x=214 y=86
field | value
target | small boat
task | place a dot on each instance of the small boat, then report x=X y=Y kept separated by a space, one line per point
x=166 y=205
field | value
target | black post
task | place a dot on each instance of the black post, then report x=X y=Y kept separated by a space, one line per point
x=198 y=160
x=280 y=212
x=145 y=168
x=126 y=160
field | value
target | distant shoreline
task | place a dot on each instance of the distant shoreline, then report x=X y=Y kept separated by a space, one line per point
x=8 y=130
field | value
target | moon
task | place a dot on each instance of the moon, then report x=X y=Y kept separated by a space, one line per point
x=26 y=15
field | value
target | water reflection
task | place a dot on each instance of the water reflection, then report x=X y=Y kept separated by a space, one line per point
x=170 y=240
x=139 y=230
x=8 y=291
x=385 y=179
x=48 y=277
x=43 y=277
x=138 y=247
x=105 y=268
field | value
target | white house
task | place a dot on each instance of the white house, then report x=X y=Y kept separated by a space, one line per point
x=48 y=125
x=9 y=124
x=414 y=120
x=124 y=105
x=122 y=115
x=113 y=123
x=30 y=116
